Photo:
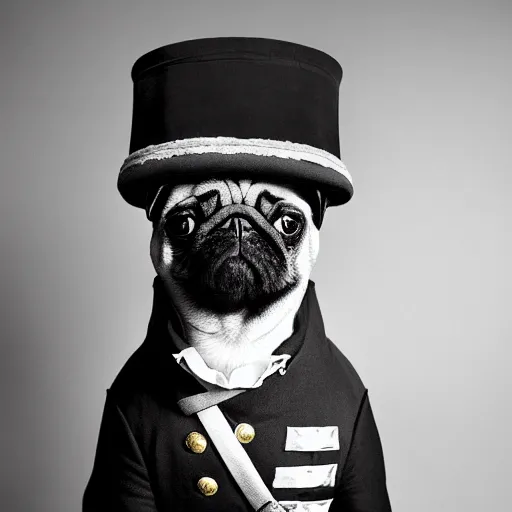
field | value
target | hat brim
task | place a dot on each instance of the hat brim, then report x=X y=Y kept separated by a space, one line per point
x=136 y=179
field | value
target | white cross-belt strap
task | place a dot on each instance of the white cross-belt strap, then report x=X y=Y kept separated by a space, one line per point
x=238 y=462
x=195 y=403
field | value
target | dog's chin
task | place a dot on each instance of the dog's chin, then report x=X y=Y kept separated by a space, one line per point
x=236 y=284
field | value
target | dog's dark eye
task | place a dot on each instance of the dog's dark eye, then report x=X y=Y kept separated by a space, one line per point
x=180 y=225
x=287 y=225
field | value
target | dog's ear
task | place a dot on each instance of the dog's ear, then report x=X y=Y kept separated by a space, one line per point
x=318 y=202
x=156 y=198
x=323 y=203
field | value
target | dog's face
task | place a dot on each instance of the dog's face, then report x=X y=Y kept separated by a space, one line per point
x=233 y=245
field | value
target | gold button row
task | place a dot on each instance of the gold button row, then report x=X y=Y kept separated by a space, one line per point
x=197 y=443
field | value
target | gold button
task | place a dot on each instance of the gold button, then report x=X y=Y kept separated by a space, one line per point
x=196 y=442
x=244 y=433
x=208 y=486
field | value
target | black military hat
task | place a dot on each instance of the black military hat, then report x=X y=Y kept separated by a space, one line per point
x=239 y=107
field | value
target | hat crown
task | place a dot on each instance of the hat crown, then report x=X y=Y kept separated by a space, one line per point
x=248 y=88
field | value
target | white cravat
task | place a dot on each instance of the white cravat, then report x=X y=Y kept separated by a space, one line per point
x=247 y=376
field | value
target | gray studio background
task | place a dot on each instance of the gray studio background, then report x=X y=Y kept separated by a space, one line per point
x=413 y=275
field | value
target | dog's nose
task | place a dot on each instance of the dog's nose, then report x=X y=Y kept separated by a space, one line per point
x=239 y=225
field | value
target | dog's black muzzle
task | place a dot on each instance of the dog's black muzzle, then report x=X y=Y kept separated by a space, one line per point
x=253 y=219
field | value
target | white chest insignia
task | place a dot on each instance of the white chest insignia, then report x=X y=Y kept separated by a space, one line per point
x=300 y=477
x=312 y=439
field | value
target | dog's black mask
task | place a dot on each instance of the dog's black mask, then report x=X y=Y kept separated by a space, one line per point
x=228 y=257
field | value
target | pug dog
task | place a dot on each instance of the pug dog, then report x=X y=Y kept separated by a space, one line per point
x=235 y=257
x=236 y=400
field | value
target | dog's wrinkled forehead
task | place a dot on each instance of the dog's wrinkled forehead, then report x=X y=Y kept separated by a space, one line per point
x=227 y=191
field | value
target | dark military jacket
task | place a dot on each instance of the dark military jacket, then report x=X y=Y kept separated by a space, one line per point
x=142 y=463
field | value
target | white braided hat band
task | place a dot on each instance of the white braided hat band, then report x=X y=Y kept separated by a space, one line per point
x=234 y=145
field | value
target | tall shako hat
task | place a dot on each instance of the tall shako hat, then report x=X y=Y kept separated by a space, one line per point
x=236 y=107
